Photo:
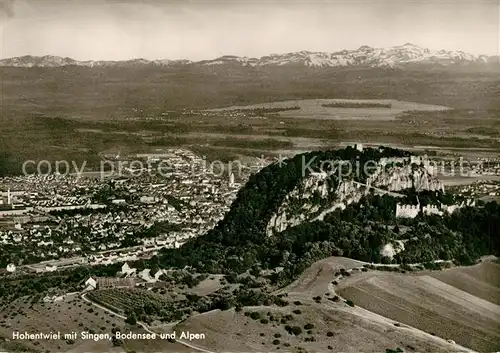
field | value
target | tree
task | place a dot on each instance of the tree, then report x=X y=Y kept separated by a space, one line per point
x=255 y=315
x=232 y=277
x=131 y=318
x=255 y=271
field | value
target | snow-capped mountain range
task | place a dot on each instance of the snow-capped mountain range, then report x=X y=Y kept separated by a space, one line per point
x=364 y=56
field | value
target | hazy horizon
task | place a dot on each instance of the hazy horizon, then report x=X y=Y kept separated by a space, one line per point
x=198 y=30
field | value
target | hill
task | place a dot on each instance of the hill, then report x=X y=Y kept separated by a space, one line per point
x=251 y=213
x=289 y=216
x=323 y=321
x=335 y=328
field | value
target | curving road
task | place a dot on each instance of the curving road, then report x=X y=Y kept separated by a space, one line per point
x=387 y=192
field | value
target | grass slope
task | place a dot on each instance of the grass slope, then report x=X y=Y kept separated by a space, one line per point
x=423 y=301
x=336 y=326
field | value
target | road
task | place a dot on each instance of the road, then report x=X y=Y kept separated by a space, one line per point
x=85 y=260
x=386 y=192
x=142 y=324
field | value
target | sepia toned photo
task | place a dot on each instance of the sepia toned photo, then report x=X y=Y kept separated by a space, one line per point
x=296 y=176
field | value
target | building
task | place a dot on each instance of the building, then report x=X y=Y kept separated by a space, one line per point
x=118 y=201
x=49 y=268
x=11 y=268
x=127 y=270
x=407 y=211
x=432 y=210
x=11 y=212
x=158 y=274
x=90 y=284
x=412 y=211
x=146 y=276
x=147 y=199
x=115 y=282
x=70 y=207
x=8 y=197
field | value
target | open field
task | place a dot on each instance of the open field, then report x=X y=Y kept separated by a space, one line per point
x=332 y=327
x=316 y=279
x=164 y=302
x=325 y=324
x=69 y=315
x=227 y=139
x=444 y=303
x=465 y=180
x=421 y=311
x=114 y=93
x=482 y=281
x=72 y=315
x=208 y=286
x=139 y=110
x=77 y=124
x=316 y=109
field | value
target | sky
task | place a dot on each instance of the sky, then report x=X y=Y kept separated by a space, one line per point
x=206 y=29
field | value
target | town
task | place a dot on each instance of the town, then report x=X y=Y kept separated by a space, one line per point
x=53 y=221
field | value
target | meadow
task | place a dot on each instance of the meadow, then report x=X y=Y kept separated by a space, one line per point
x=332 y=109
x=459 y=304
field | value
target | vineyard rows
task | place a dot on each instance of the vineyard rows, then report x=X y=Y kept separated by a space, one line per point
x=125 y=299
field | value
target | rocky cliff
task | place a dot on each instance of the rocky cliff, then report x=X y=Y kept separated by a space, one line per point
x=403 y=173
x=321 y=193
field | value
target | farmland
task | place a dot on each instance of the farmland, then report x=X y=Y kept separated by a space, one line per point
x=357 y=104
x=334 y=109
x=129 y=299
x=442 y=303
x=414 y=307
x=481 y=281
x=144 y=109
x=69 y=315
x=220 y=137
x=165 y=304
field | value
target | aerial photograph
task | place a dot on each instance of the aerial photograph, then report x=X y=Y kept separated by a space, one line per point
x=239 y=176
